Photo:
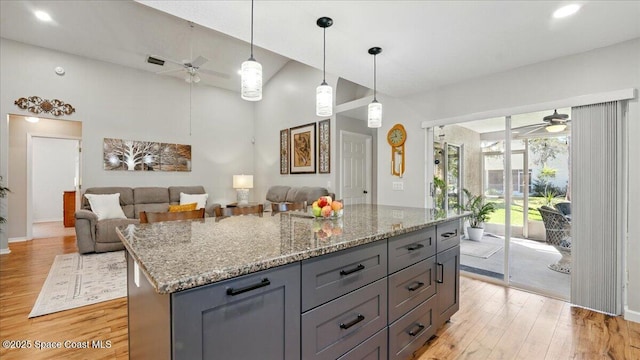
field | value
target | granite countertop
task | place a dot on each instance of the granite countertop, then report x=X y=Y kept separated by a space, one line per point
x=179 y=255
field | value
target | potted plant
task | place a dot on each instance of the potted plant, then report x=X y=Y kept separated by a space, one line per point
x=3 y=194
x=480 y=212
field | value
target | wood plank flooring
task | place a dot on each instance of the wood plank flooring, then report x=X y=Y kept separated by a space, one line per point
x=493 y=322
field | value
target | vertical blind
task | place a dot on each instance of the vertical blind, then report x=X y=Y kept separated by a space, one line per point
x=597 y=206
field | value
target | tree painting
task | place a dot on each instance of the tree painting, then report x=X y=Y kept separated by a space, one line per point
x=135 y=155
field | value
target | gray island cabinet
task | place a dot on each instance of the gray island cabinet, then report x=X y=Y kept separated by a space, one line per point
x=374 y=284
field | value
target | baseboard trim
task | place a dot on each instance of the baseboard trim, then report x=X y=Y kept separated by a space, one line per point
x=48 y=220
x=18 y=239
x=631 y=315
x=5 y=251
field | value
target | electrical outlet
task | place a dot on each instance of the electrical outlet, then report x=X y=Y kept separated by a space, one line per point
x=398 y=185
x=397 y=214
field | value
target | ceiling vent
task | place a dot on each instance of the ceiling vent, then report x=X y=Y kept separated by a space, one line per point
x=156 y=61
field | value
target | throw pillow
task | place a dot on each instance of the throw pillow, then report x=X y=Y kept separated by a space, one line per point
x=185 y=207
x=106 y=206
x=201 y=199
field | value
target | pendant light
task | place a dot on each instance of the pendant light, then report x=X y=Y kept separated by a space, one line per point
x=375 y=108
x=251 y=74
x=324 y=93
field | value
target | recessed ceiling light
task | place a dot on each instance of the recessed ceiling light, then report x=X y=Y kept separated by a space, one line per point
x=32 y=119
x=566 y=11
x=43 y=16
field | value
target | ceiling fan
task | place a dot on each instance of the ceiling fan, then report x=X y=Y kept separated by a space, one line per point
x=552 y=123
x=192 y=68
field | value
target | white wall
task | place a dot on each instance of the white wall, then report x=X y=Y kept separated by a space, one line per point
x=53 y=171
x=607 y=69
x=118 y=102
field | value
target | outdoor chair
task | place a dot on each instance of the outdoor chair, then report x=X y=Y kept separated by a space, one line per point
x=558 y=234
x=565 y=209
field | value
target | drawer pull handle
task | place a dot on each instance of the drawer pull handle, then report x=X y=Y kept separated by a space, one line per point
x=441 y=279
x=416 y=287
x=415 y=247
x=355 y=269
x=449 y=234
x=234 y=292
x=352 y=322
x=416 y=331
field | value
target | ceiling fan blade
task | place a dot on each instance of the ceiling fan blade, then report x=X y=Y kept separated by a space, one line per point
x=168 y=71
x=214 y=73
x=534 y=129
x=528 y=126
x=168 y=60
x=199 y=61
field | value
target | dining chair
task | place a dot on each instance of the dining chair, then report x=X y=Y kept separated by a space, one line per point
x=239 y=210
x=153 y=217
x=288 y=206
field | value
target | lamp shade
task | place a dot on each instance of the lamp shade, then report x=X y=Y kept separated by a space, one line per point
x=251 y=74
x=324 y=99
x=243 y=181
x=555 y=128
x=375 y=115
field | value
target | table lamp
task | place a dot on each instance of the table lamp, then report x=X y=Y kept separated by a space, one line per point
x=242 y=184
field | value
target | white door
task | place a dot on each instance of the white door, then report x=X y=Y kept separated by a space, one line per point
x=355 y=166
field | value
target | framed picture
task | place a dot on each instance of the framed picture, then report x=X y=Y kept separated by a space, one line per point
x=324 y=146
x=284 y=151
x=302 y=147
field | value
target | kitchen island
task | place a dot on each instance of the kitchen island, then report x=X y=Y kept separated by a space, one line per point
x=380 y=279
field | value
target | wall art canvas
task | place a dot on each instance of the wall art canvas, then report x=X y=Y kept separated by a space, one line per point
x=134 y=155
x=302 y=145
x=324 y=146
x=284 y=151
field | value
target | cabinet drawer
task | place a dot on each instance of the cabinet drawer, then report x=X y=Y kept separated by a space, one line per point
x=411 y=286
x=375 y=348
x=328 y=277
x=214 y=321
x=411 y=331
x=448 y=235
x=408 y=249
x=332 y=329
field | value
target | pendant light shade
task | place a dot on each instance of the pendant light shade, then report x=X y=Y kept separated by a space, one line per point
x=324 y=93
x=375 y=108
x=251 y=74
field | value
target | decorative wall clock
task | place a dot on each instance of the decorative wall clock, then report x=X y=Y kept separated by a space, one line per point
x=396 y=137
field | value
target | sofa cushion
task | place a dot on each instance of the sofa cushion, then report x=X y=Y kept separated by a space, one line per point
x=306 y=193
x=277 y=193
x=126 y=198
x=106 y=229
x=174 y=192
x=150 y=195
x=200 y=199
x=106 y=206
x=162 y=207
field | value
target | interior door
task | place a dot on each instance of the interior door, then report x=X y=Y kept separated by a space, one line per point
x=355 y=165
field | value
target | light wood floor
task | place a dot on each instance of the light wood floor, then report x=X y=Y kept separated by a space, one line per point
x=493 y=322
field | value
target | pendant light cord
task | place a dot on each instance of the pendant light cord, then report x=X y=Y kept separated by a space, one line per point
x=251 y=29
x=324 y=54
x=375 y=72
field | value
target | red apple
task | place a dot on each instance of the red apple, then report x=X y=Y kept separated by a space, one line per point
x=326 y=211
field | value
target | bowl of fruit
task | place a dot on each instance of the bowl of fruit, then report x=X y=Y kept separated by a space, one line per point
x=325 y=228
x=327 y=208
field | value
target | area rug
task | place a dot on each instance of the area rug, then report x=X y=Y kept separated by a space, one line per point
x=478 y=249
x=76 y=280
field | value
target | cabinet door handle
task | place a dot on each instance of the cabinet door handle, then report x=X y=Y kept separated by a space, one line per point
x=352 y=322
x=416 y=287
x=234 y=292
x=417 y=331
x=414 y=247
x=441 y=279
x=355 y=269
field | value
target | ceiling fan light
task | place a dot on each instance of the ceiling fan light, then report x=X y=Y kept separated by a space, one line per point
x=374 y=114
x=324 y=99
x=556 y=128
x=251 y=79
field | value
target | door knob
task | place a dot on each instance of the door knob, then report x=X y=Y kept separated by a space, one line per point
x=365 y=192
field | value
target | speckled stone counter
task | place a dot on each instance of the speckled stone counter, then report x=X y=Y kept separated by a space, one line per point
x=180 y=255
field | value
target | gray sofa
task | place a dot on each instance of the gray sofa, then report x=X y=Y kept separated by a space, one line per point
x=281 y=193
x=93 y=235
